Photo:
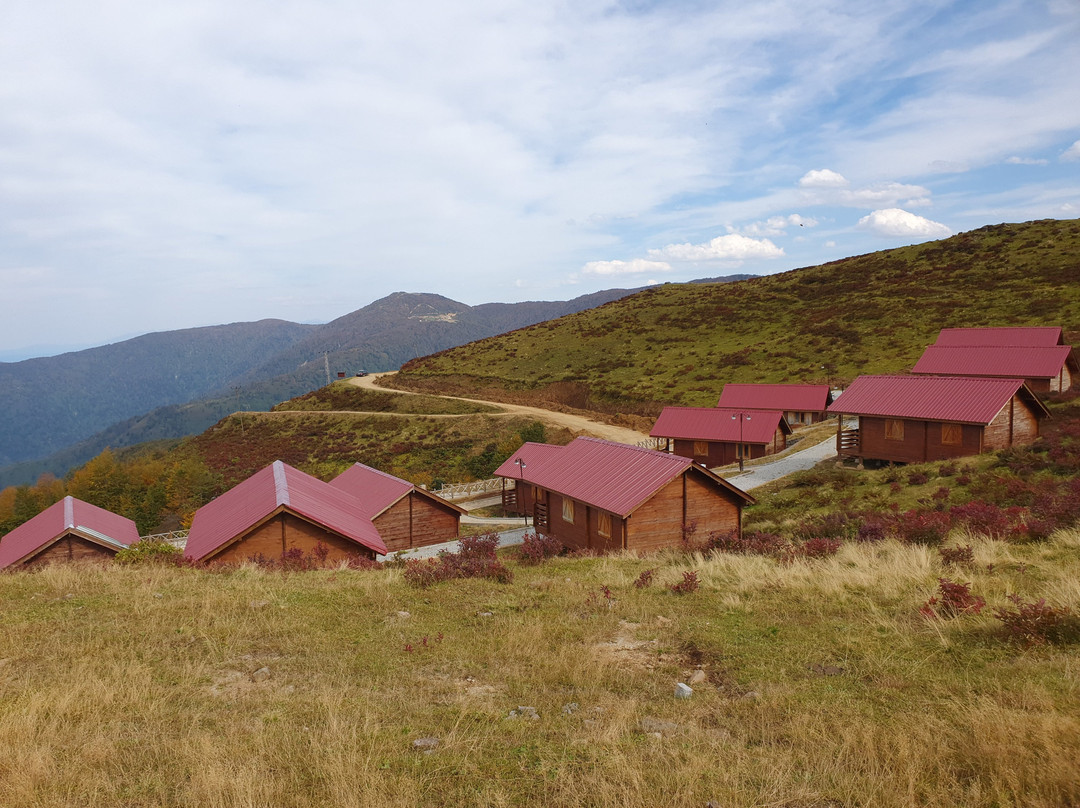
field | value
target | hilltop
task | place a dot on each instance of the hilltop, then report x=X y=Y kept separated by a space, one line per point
x=61 y=411
x=679 y=343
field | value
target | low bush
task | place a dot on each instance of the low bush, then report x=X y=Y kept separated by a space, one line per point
x=149 y=551
x=821 y=547
x=475 y=559
x=537 y=548
x=922 y=527
x=749 y=543
x=958 y=556
x=953 y=599
x=687 y=585
x=645 y=579
x=986 y=519
x=1036 y=623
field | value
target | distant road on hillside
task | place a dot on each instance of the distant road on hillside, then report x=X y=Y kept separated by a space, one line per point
x=577 y=423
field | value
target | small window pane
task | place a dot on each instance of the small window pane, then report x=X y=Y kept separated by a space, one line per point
x=894 y=429
x=603 y=524
x=568 y=510
x=701 y=448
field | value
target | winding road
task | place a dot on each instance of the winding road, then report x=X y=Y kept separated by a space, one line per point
x=576 y=423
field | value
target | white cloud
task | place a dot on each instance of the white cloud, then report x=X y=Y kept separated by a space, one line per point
x=632 y=267
x=897 y=222
x=777 y=225
x=823 y=178
x=729 y=248
x=1072 y=153
x=821 y=192
x=1025 y=161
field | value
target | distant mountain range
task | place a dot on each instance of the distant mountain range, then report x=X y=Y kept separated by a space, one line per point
x=60 y=411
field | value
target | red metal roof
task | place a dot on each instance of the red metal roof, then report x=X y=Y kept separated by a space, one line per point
x=276 y=486
x=719 y=425
x=610 y=476
x=966 y=400
x=1010 y=361
x=375 y=489
x=1030 y=336
x=782 y=397
x=68 y=515
x=378 y=490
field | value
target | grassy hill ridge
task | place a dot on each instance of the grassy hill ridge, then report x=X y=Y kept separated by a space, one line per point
x=678 y=343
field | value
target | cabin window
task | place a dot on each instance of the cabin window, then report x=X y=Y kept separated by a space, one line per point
x=701 y=448
x=952 y=434
x=742 y=450
x=603 y=524
x=568 y=510
x=539 y=494
x=894 y=429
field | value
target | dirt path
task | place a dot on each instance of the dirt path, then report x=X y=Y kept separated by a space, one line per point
x=576 y=423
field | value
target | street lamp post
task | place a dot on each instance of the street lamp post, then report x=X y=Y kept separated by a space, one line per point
x=740 y=416
x=521 y=488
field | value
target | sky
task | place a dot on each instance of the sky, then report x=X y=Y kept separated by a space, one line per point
x=177 y=164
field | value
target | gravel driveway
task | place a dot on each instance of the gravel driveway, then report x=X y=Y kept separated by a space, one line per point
x=796 y=461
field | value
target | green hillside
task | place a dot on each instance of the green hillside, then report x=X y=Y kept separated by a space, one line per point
x=679 y=343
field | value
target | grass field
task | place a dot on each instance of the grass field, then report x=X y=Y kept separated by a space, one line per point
x=823 y=685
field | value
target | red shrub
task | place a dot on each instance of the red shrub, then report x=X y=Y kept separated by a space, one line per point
x=958 y=556
x=985 y=519
x=688 y=584
x=952 y=600
x=537 y=548
x=645 y=579
x=1037 y=624
x=821 y=547
x=922 y=527
x=749 y=543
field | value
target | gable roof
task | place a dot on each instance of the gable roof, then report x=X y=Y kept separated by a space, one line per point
x=1010 y=361
x=1030 y=336
x=376 y=490
x=720 y=425
x=279 y=487
x=783 y=397
x=961 y=399
x=69 y=515
x=610 y=476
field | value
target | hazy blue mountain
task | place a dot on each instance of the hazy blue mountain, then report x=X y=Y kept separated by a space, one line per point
x=64 y=410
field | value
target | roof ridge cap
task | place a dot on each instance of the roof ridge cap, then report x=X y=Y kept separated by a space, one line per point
x=69 y=512
x=281 y=484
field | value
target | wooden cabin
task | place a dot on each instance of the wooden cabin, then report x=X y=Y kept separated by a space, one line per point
x=1038 y=355
x=404 y=515
x=712 y=436
x=598 y=495
x=911 y=419
x=68 y=530
x=801 y=404
x=277 y=510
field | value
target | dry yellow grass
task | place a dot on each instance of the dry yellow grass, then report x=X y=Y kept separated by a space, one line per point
x=146 y=686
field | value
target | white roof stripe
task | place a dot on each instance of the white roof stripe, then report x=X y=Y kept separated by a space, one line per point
x=281 y=484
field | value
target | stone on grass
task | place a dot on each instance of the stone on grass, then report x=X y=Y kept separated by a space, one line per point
x=425 y=744
x=697 y=677
x=404 y=615
x=261 y=675
x=528 y=713
x=570 y=709
x=657 y=726
x=683 y=691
